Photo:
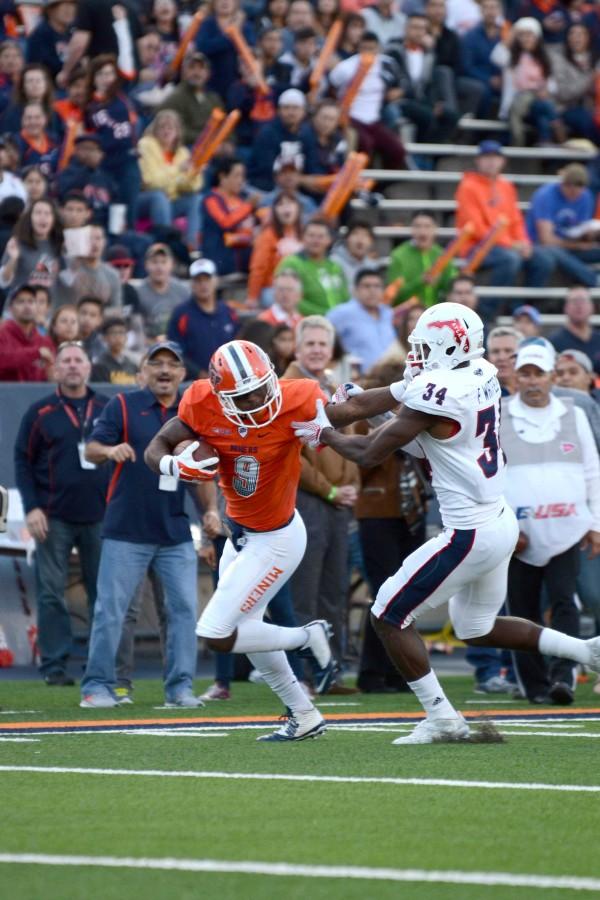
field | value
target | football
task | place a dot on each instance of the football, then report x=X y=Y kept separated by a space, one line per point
x=204 y=451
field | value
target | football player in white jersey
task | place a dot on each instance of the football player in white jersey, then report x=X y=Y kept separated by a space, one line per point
x=450 y=417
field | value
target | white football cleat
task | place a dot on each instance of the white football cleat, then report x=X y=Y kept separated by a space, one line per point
x=298 y=726
x=319 y=633
x=432 y=731
x=594 y=645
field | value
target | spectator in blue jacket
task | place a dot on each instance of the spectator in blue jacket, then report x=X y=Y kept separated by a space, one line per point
x=477 y=46
x=558 y=222
x=283 y=137
x=217 y=46
x=145 y=527
x=202 y=323
x=109 y=115
x=85 y=174
x=48 y=41
x=64 y=499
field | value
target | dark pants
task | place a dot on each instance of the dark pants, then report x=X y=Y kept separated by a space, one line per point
x=320 y=583
x=55 y=636
x=385 y=544
x=376 y=138
x=505 y=265
x=525 y=583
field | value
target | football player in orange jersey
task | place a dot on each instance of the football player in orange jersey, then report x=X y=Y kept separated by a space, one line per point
x=246 y=414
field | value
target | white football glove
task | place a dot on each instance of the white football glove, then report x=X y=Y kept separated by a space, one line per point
x=344 y=391
x=411 y=371
x=186 y=468
x=310 y=432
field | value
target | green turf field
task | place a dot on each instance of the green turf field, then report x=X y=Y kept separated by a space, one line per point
x=189 y=811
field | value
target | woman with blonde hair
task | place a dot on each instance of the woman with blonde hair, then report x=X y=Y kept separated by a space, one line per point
x=170 y=185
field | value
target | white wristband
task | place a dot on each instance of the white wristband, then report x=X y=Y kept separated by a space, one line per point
x=167 y=466
x=398 y=390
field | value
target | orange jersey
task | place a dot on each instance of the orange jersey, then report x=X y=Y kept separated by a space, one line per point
x=259 y=471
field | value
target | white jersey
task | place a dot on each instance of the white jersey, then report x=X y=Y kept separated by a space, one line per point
x=468 y=468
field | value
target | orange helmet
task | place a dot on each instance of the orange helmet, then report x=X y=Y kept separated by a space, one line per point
x=238 y=368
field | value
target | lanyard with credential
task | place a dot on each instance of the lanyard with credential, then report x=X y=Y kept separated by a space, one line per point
x=81 y=426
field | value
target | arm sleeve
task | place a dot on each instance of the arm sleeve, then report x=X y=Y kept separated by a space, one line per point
x=29 y=440
x=226 y=220
x=262 y=263
x=11 y=356
x=115 y=293
x=109 y=430
x=591 y=465
x=468 y=209
x=191 y=404
x=311 y=479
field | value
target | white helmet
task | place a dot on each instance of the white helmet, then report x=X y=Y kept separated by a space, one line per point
x=445 y=336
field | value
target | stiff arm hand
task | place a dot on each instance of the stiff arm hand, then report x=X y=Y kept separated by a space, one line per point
x=184 y=467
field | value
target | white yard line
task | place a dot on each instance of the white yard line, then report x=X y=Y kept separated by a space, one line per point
x=180 y=732
x=321 y=705
x=19 y=740
x=582 y=734
x=563 y=882
x=330 y=779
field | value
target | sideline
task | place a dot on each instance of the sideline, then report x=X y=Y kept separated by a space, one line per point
x=561 y=882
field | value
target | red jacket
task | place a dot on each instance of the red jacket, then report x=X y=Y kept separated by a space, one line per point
x=20 y=354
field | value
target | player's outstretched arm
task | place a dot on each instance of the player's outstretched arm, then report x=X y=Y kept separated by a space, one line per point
x=365 y=405
x=162 y=444
x=371 y=449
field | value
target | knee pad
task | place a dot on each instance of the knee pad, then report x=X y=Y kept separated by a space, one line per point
x=208 y=629
x=467 y=630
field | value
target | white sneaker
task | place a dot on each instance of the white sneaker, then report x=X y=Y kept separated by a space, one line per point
x=298 y=727
x=429 y=731
x=98 y=701
x=319 y=633
x=187 y=700
x=594 y=645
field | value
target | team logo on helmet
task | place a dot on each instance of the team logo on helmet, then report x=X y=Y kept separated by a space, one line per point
x=458 y=330
x=214 y=376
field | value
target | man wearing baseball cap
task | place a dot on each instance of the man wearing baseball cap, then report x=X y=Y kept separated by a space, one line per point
x=279 y=138
x=527 y=319
x=553 y=486
x=574 y=369
x=160 y=292
x=201 y=324
x=145 y=526
x=484 y=198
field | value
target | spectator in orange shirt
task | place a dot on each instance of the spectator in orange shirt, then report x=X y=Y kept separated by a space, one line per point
x=228 y=216
x=482 y=198
x=281 y=236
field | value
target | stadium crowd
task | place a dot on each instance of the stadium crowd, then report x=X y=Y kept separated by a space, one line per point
x=123 y=241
